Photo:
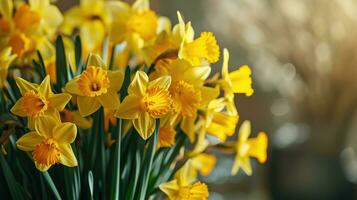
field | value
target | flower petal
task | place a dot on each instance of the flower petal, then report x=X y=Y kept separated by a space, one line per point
x=162 y=82
x=6 y=7
x=139 y=84
x=73 y=88
x=65 y=132
x=87 y=105
x=45 y=87
x=17 y=109
x=170 y=188
x=59 y=101
x=244 y=131
x=129 y=108
x=41 y=167
x=44 y=125
x=109 y=100
x=67 y=156
x=116 y=80
x=29 y=141
x=95 y=60
x=24 y=85
x=145 y=125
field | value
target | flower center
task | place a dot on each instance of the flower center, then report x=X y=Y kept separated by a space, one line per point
x=186 y=99
x=47 y=152
x=157 y=101
x=19 y=43
x=94 y=81
x=33 y=104
x=197 y=191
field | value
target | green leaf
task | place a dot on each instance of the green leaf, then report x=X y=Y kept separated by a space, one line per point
x=78 y=53
x=115 y=181
x=51 y=184
x=15 y=191
x=61 y=64
x=90 y=183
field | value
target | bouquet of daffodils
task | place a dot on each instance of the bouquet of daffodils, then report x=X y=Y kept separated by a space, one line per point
x=110 y=101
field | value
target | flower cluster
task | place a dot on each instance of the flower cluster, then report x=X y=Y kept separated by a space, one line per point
x=143 y=99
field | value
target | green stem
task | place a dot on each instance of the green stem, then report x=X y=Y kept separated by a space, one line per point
x=115 y=188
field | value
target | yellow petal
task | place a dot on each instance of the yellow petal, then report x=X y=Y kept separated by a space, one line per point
x=170 y=188
x=241 y=162
x=73 y=88
x=59 y=101
x=45 y=87
x=96 y=61
x=116 y=80
x=109 y=100
x=187 y=174
x=17 y=109
x=65 y=132
x=129 y=108
x=244 y=131
x=188 y=127
x=258 y=147
x=6 y=7
x=139 y=84
x=162 y=82
x=87 y=105
x=225 y=66
x=204 y=163
x=24 y=85
x=208 y=93
x=241 y=81
x=81 y=122
x=67 y=156
x=197 y=75
x=41 y=167
x=29 y=141
x=52 y=16
x=145 y=125
x=44 y=125
x=92 y=33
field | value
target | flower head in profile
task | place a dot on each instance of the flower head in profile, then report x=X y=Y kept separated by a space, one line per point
x=38 y=100
x=167 y=132
x=236 y=82
x=195 y=51
x=204 y=163
x=96 y=87
x=50 y=143
x=146 y=101
x=249 y=147
x=73 y=116
x=184 y=186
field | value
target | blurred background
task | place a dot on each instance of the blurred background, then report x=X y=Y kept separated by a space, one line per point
x=304 y=59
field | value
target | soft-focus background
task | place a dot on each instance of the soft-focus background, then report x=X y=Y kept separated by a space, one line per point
x=304 y=59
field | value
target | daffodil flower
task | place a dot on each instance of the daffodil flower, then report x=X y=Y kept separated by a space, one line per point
x=236 y=82
x=184 y=185
x=38 y=100
x=249 y=147
x=146 y=101
x=96 y=87
x=50 y=143
x=196 y=50
x=5 y=60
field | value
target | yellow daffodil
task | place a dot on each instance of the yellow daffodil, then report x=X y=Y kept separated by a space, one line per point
x=50 y=143
x=5 y=60
x=38 y=100
x=184 y=186
x=204 y=48
x=76 y=118
x=92 y=19
x=96 y=87
x=204 y=163
x=249 y=147
x=238 y=81
x=134 y=24
x=187 y=91
x=218 y=123
x=30 y=27
x=146 y=101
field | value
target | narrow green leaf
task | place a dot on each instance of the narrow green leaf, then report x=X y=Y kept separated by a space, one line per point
x=114 y=187
x=61 y=64
x=90 y=183
x=78 y=53
x=51 y=184
x=10 y=179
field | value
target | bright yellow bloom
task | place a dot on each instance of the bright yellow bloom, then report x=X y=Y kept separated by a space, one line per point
x=30 y=27
x=76 y=118
x=204 y=48
x=50 y=143
x=184 y=186
x=146 y=101
x=249 y=147
x=204 y=163
x=5 y=60
x=38 y=100
x=187 y=91
x=238 y=81
x=92 y=18
x=96 y=87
